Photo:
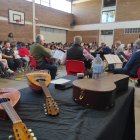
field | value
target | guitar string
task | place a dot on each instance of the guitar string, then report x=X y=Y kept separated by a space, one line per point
x=11 y=112
x=14 y=112
x=7 y=110
x=47 y=94
x=45 y=89
x=4 y=104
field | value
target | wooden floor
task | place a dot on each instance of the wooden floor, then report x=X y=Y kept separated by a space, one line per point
x=61 y=71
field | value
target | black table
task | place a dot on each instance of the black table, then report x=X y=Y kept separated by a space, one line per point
x=74 y=121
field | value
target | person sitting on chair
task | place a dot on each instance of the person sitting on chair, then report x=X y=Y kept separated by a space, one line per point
x=76 y=52
x=42 y=54
x=8 y=54
x=132 y=64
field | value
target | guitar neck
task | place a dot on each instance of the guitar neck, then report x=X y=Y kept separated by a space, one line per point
x=11 y=112
x=44 y=87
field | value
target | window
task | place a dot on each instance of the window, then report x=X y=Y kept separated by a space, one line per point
x=45 y=2
x=63 y=5
x=106 y=32
x=108 y=3
x=108 y=16
x=108 y=11
x=132 y=30
x=38 y=1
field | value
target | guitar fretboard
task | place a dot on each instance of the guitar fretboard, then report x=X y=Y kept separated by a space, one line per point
x=11 y=112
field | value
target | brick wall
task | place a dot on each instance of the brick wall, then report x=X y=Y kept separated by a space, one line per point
x=87 y=12
x=87 y=36
x=21 y=33
x=84 y=13
x=124 y=38
x=90 y=13
x=128 y=10
x=44 y=14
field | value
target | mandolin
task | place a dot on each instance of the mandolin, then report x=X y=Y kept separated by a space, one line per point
x=20 y=130
x=13 y=95
x=38 y=81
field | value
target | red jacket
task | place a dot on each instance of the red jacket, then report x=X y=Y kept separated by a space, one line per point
x=23 y=52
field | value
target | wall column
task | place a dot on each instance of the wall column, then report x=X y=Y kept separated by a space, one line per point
x=34 y=22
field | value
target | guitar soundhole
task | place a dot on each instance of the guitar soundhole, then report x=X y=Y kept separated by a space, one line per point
x=40 y=79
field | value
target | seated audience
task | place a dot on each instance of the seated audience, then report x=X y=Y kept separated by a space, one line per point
x=127 y=51
x=8 y=54
x=23 y=52
x=2 y=70
x=120 y=52
x=132 y=65
x=5 y=64
x=1 y=45
x=41 y=54
x=22 y=61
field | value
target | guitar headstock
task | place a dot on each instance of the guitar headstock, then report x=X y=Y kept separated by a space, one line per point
x=51 y=107
x=22 y=133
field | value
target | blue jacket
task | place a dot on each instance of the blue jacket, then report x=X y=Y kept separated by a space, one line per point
x=133 y=63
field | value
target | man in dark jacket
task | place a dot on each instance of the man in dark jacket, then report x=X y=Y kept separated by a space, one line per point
x=132 y=65
x=76 y=52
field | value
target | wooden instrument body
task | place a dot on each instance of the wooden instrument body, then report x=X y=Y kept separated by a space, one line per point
x=100 y=93
x=32 y=80
x=13 y=95
x=38 y=82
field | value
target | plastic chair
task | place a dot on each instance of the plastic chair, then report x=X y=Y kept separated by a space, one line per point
x=138 y=73
x=33 y=65
x=75 y=66
x=138 y=76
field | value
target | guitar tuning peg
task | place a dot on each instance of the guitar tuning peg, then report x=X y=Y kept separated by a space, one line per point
x=34 y=138
x=10 y=137
x=29 y=130
x=32 y=134
x=45 y=110
x=46 y=113
x=44 y=104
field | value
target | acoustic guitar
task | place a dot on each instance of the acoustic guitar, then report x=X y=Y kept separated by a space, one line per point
x=20 y=130
x=38 y=81
x=99 y=93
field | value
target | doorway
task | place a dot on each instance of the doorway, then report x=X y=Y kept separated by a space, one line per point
x=106 y=36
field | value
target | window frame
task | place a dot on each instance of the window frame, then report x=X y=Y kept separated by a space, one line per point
x=49 y=5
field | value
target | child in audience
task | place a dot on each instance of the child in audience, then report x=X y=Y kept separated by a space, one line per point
x=17 y=57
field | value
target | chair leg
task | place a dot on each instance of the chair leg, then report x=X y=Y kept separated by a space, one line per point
x=133 y=80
